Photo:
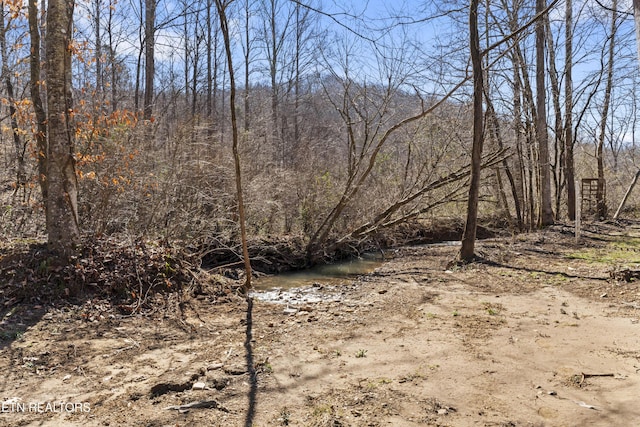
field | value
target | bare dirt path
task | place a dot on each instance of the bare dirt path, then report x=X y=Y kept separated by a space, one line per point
x=538 y=336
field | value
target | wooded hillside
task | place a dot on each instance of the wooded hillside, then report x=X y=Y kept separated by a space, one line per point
x=350 y=120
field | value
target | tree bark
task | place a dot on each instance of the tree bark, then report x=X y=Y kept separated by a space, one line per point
x=149 y=57
x=569 y=169
x=98 y=54
x=209 y=26
x=636 y=20
x=141 y=35
x=601 y=202
x=557 y=169
x=62 y=222
x=38 y=107
x=112 y=58
x=546 y=214
x=273 y=54
x=634 y=181
x=467 y=251
x=247 y=65
x=495 y=129
x=19 y=146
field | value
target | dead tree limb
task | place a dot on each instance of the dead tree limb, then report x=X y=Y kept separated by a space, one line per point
x=634 y=181
x=383 y=219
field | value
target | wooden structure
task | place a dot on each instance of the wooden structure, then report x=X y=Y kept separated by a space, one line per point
x=589 y=192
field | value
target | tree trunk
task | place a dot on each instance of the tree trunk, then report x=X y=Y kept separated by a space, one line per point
x=569 y=169
x=112 y=59
x=136 y=92
x=601 y=202
x=38 y=107
x=627 y=194
x=247 y=65
x=149 y=58
x=273 y=57
x=221 y=6
x=62 y=222
x=209 y=25
x=98 y=55
x=636 y=19
x=559 y=148
x=187 y=49
x=296 y=83
x=467 y=251
x=546 y=214
x=518 y=130
x=19 y=146
x=524 y=116
x=196 y=65
x=495 y=129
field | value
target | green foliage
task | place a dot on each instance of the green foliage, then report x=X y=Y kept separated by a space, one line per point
x=491 y=309
x=619 y=253
x=325 y=180
x=43 y=267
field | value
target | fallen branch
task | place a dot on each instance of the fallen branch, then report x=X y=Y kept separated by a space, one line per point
x=384 y=218
x=583 y=376
x=202 y=404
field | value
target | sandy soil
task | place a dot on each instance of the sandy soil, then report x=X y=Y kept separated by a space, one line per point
x=537 y=336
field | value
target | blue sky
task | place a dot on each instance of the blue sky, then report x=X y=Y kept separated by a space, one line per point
x=430 y=50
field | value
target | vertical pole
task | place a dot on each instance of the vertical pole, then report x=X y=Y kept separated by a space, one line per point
x=578 y=209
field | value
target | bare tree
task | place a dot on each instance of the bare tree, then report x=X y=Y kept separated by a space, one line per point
x=601 y=203
x=38 y=106
x=111 y=55
x=149 y=56
x=557 y=167
x=636 y=20
x=213 y=64
x=546 y=216
x=141 y=50
x=467 y=251
x=222 y=6
x=276 y=16
x=18 y=143
x=247 y=50
x=569 y=167
x=97 y=22
x=62 y=223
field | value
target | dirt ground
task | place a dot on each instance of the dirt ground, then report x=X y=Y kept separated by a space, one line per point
x=537 y=335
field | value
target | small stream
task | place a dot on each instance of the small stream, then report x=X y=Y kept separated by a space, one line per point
x=327 y=273
x=320 y=283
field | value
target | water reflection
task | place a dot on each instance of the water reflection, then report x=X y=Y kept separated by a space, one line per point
x=326 y=274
